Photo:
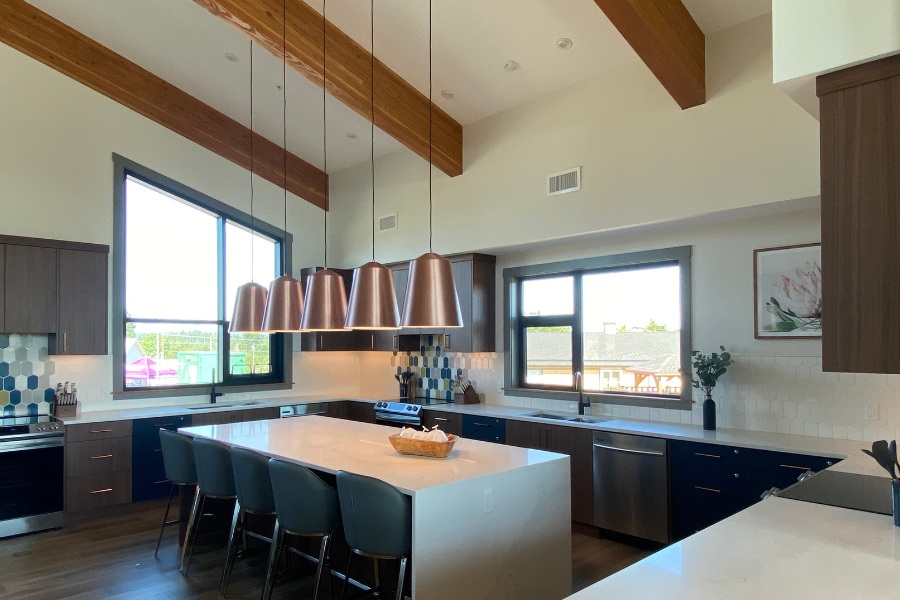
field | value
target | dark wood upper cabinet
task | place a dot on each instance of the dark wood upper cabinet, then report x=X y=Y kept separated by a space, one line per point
x=29 y=289
x=330 y=341
x=82 y=326
x=860 y=173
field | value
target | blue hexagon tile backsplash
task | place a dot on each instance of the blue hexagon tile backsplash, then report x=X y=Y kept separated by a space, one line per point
x=436 y=369
x=25 y=370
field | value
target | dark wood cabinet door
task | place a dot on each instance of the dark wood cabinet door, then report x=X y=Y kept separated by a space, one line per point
x=860 y=154
x=364 y=412
x=338 y=409
x=3 y=293
x=83 y=316
x=447 y=422
x=581 y=451
x=30 y=289
x=459 y=339
x=524 y=434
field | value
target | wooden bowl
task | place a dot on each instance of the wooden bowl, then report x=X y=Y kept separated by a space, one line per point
x=422 y=447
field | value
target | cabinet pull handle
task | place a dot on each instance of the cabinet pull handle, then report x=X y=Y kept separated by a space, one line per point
x=165 y=425
x=101 y=430
x=629 y=450
x=101 y=456
x=103 y=491
x=157 y=450
x=481 y=424
x=447 y=341
x=440 y=419
x=706 y=489
x=162 y=481
x=395 y=342
x=65 y=342
x=707 y=455
x=796 y=467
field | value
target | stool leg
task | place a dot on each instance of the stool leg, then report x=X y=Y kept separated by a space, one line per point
x=400 y=578
x=347 y=575
x=237 y=522
x=323 y=554
x=377 y=574
x=274 y=559
x=165 y=519
x=193 y=521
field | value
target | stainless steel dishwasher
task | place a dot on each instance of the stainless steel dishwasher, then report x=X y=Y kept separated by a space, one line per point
x=631 y=487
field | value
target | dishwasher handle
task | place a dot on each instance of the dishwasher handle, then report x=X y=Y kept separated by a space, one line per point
x=629 y=450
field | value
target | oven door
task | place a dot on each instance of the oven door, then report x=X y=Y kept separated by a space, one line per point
x=31 y=484
x=395 y=420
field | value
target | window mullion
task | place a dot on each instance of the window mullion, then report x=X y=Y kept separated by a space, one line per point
x=224 y=360
x=578 y=330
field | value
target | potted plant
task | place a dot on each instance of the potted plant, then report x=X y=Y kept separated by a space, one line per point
x=708 y=369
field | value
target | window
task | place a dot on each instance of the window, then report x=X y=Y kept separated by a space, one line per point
x=179 y=258
x=623 y=321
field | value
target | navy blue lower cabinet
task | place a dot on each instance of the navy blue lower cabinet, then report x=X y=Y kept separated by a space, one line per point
x=781 y=469
x=148 y=475
x=486 y=429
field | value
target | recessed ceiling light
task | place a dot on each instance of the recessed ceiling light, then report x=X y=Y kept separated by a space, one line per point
x=511 y=65
x=351 y=135
x=447 y=94
x=563 y=43
x=232 y=57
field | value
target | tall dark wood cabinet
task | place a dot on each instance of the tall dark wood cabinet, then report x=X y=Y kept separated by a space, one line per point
x=860 y=173
x=82 y=316
x=29 y=289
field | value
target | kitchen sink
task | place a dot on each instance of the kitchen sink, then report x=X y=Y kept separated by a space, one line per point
x=541 y=415
x=214 y=406
x=587 y=420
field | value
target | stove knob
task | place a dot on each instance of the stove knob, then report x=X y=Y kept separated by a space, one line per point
x=41 y=428
x=54 y=427
x=408 y=407
x=415 y=409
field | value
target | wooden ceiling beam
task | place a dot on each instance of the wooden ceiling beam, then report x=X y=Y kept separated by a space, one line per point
x=400 y=110
x=73 y=54
x=667 y=39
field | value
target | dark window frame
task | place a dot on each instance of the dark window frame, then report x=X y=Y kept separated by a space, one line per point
x=280 y=343
x=515 y=324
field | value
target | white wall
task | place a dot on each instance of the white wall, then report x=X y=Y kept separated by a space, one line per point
x=810 y=37
x=57 y=138
x=644 y=161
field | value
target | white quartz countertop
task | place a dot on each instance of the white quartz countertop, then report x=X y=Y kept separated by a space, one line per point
x=782 y=442
x=331 y=445
x=777 y=548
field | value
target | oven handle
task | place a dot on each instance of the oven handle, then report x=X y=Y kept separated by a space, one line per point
x=38 y=443
x=398 y=419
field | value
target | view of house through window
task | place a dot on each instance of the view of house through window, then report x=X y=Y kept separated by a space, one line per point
x=183 y=265
x=621 y=327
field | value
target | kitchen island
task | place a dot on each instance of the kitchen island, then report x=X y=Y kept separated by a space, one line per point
x=489 y=521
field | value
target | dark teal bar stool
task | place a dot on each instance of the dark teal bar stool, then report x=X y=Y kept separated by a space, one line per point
x=254 y=496
x=304 y=506
x=377 y=520
x=178 y=460
x=215 y=479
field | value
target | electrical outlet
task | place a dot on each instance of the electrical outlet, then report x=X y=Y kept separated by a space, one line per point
x=488 y=500
x=871 y=412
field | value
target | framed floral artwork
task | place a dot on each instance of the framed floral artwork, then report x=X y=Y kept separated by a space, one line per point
x=787 y=292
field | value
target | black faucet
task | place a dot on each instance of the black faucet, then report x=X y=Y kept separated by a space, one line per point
x=579 y=387
x=213 y=394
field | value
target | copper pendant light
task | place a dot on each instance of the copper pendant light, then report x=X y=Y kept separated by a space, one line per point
x=326 y=297
x=285 y=302
x=250 y=303
x=373 y=301
x=431 y=299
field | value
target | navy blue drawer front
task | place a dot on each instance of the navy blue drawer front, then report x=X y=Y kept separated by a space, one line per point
x=148 y=474
x=485 y=429
x=781 y=469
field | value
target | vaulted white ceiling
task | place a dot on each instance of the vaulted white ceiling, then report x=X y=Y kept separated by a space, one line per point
x=472 y=39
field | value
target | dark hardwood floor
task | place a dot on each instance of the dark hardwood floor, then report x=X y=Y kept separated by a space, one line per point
x=110 y=556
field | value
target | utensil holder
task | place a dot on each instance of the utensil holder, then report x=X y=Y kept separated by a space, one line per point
x=895 y=492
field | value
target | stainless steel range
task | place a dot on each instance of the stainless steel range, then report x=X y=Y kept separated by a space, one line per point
x=398 y=413
x=31 y=474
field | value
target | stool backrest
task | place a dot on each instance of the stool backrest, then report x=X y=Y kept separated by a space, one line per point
x=178 y=457
x=214 y=472
x=304 y=503
x=377 y=517
x=251 y=481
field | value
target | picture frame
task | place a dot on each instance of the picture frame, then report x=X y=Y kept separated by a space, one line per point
x=787 y=292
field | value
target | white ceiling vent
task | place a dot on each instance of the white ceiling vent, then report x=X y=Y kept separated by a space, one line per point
x=387 y=222
x=564 y=182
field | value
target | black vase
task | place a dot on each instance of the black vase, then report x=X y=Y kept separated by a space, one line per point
x=709 y=413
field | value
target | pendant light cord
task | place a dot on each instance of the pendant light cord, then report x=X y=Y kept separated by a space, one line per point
x=252 y=221
x=372 y=47
x=324 y=122
x=430 y=132
x=284 y=121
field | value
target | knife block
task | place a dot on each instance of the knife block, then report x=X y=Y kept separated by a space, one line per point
x=65 y=410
